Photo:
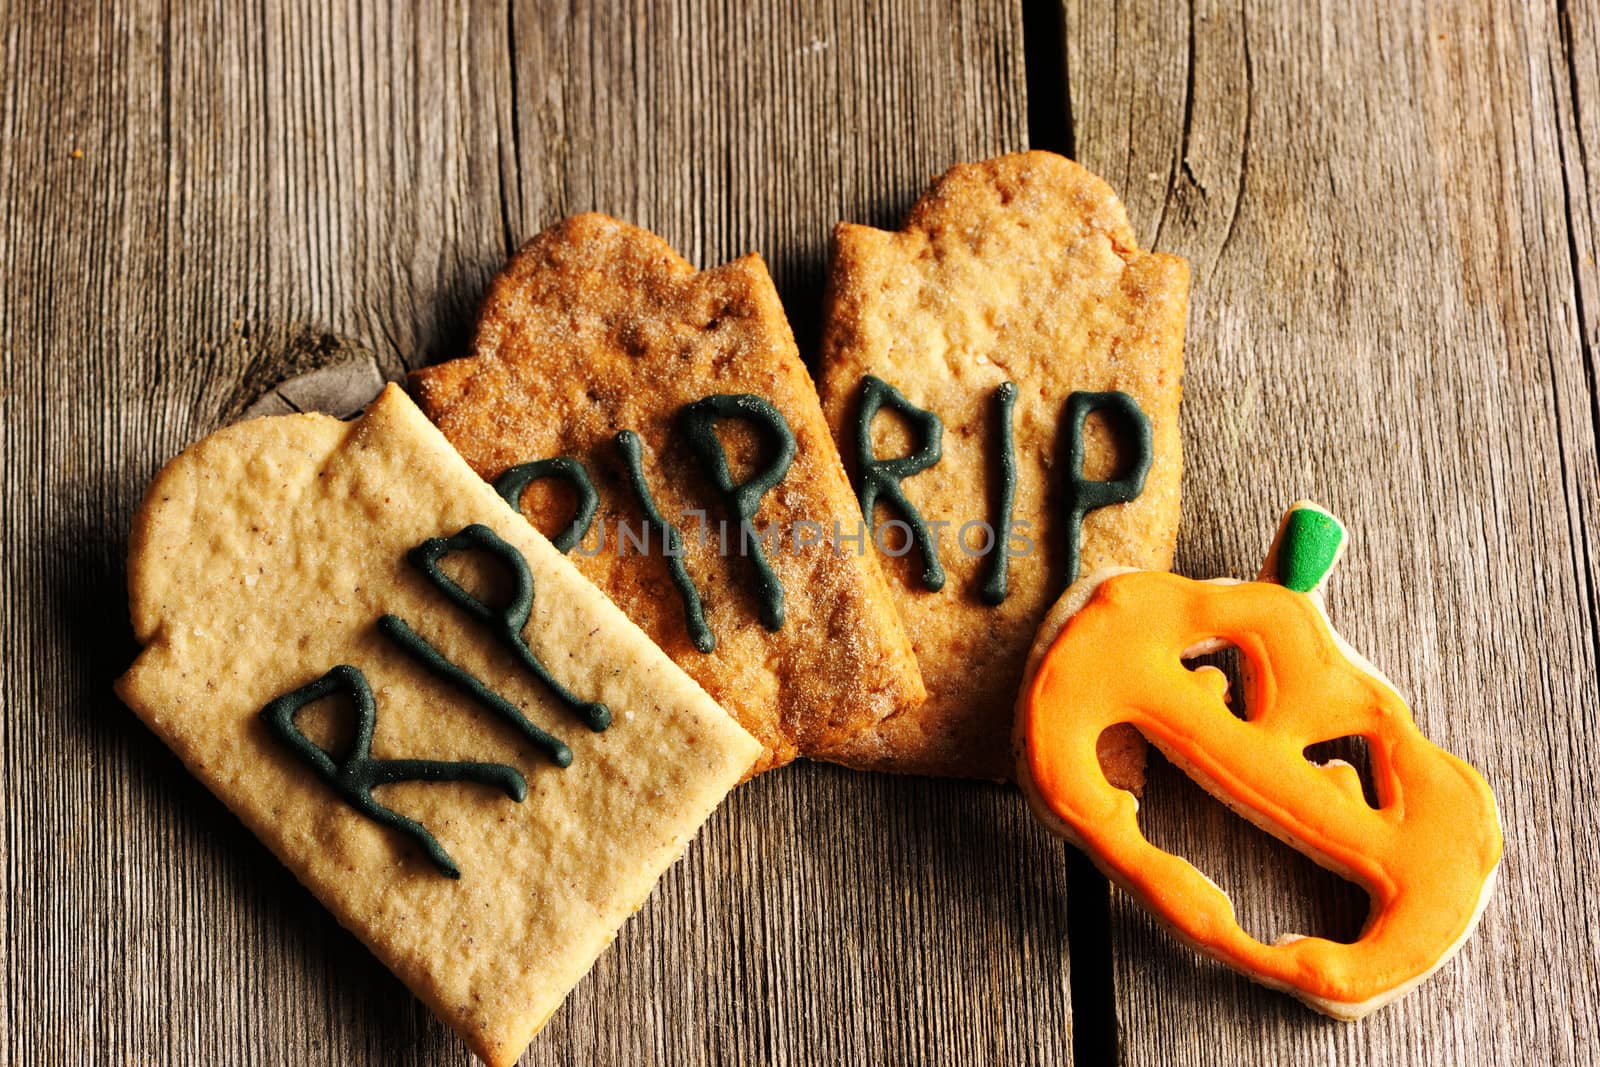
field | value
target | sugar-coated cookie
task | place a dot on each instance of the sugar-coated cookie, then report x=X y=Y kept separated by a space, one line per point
x=468 y=754
x=1111 y=655
x=613 y=391
x=1002 y=377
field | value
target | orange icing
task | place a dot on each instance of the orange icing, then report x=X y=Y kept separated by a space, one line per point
x=1424 y=857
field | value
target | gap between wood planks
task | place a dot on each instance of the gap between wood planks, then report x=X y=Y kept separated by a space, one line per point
x=1093 y=978
x=1575 y=262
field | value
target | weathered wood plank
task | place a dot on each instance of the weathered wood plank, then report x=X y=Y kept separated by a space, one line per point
x=1390 y=213
x=264 y=190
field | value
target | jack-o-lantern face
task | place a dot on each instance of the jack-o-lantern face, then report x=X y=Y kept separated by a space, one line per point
x=1113 y=653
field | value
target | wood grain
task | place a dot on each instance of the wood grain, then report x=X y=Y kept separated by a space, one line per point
x=1390 y=211
x=1391 y=214
x=199 y=203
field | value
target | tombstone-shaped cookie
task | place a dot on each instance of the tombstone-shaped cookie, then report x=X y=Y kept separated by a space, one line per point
x=658 y=422
x=468 y=754
x=1002 y=377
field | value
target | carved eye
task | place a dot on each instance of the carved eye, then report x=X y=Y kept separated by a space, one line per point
x=1220 y=666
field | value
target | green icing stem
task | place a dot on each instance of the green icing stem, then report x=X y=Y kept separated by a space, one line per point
x=694 y=613
x=1083 y=495
x=506 y=623
x=515 y=481
x=358 y=774
x=994 y=588
x=882 y=477
x=700 y=424
x=1308 y=547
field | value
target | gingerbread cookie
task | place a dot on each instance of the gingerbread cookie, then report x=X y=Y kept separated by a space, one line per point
x=468 y=754
x=1002 y=376
x=659 y=421
x=1111 y=655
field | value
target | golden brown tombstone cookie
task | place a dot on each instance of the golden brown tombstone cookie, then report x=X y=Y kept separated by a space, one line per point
x=1019 y=270
x=284 y=575
x=598 y=343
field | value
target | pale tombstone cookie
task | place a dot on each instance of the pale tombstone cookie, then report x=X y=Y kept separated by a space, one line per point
x=1009 y=316
x=1111 y=655
x=267 y=567
x=604 y=358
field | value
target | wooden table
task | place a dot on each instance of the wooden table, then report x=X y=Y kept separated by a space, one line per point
x=1390 y=212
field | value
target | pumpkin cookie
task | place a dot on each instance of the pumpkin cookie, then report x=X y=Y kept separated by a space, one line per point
x=469 y=755
x=1111 y=655
x=1002 y=377
x=659 y=422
